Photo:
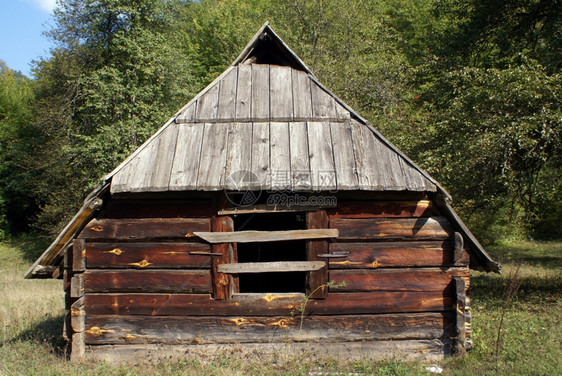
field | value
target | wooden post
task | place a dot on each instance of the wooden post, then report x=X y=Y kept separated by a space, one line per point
x=458 y=247
x=316 y=280
x=221 y=281
x=459 y=345
x=79 y=255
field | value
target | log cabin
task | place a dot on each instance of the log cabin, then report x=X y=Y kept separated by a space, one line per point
x=266 y=215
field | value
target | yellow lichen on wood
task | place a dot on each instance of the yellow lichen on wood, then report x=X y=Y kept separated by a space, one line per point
x=140 y=264
x=77 y=312
x=97 y=331
x=282 y=323
x=97 y=228
x=345 y=263
x=115 y=251
x=239 y=321
x=130 y=337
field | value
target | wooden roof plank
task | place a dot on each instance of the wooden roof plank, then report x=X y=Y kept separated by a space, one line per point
x=227 y=96
x=207 y=104
x=187 y=115
x=299 y=157
x=260 y=155
x=213 y=156
x=244 y=93
x=323 y=104
x=163 y=159
x=260 y=92
x=323 y=172
x=365 y=158
x=238 y=156
x=281 y=93
x=185 y=167
x=302 y=97
x=280 y=158
x=344 y=157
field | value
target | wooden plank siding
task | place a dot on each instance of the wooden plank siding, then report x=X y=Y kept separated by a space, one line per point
x=269 y=120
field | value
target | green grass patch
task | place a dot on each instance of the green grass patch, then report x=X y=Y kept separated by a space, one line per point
x=31 y=316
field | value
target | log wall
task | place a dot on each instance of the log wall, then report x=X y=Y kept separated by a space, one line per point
x=139 y=277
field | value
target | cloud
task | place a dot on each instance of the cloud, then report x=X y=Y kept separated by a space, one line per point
x=46 y=5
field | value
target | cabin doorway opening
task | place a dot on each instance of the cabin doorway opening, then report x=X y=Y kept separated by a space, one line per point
x=294 y=250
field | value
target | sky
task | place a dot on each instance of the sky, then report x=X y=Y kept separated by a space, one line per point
x=22 y=23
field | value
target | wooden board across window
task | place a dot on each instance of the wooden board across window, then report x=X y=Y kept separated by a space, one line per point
x=266 y=236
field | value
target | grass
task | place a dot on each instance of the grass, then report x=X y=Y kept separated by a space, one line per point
x=31 y=316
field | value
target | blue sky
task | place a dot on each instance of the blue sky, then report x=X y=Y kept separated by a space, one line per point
x=22 y=23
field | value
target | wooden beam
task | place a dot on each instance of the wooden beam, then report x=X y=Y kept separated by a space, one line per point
x=265 y=236
x=264 y=209
x=272 y=267
x=316 y=281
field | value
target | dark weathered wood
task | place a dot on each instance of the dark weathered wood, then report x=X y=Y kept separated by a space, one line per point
x=269 y=267
x=431 y=349
x=147 y=255
x=143 y=228
x=382 y=209
x=221 y=282
x=266 y=304
x=173 y=281
x=459 y=345
x=432 y=228
x=459 y=247
x=266 y=236
x=77 y=286
x=265 y=209
x=78 y=255
x=158 y=209
x=255 y=329
x=393 y=254
x=316 y=280
x=410 y=279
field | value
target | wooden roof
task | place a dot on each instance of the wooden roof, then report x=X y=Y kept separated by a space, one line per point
x=275 y=121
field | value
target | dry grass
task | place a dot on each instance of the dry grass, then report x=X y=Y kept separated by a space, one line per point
x=31 y=323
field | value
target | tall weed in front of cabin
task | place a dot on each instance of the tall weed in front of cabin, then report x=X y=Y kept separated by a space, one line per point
x=31 y=319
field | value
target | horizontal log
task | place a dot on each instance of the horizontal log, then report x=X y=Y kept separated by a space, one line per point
x=173 y=281
x=432 y=228
x=411 y=279
x=145 y=228
x=265 y=304
x=147 y=255
x=394 y=254
x=265 y=236
x=159 y=209
x=271 y=267
x=382 y=209
x=264 y=209
x=426 y=350
x=234 y=329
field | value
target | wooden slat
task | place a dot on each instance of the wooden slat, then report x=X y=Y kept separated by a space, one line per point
x=270 y=267
x=78 y=253
x=426 y=350
x=145 y=228
x=411 y=279
x=260 y=155
x=148 y=281
x=393 y=254
x=281 y=94
x=323 y=104
x=365 y=158
x=302 y=99
x=265 y=236
x=316 y=281
x=207 y=104
x=244 y=93
x=187 y=116
x=146 y=208
x=431 y=228
x=213 y=156
x=382 y=209
x=186 y=161
x=265 y=304
x=344 y=158
x=221 y=282
x=323 y=171
x=256 y=329
x=238 y=157
x=260 y=92
x=147 y=255
x=265 y=208
x=227 y=96
x=460 y=344
x=300 y=164
x=140 y=169
x=280 y=173
x=162 y=159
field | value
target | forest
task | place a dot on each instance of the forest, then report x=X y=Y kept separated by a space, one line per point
x=468 y=89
